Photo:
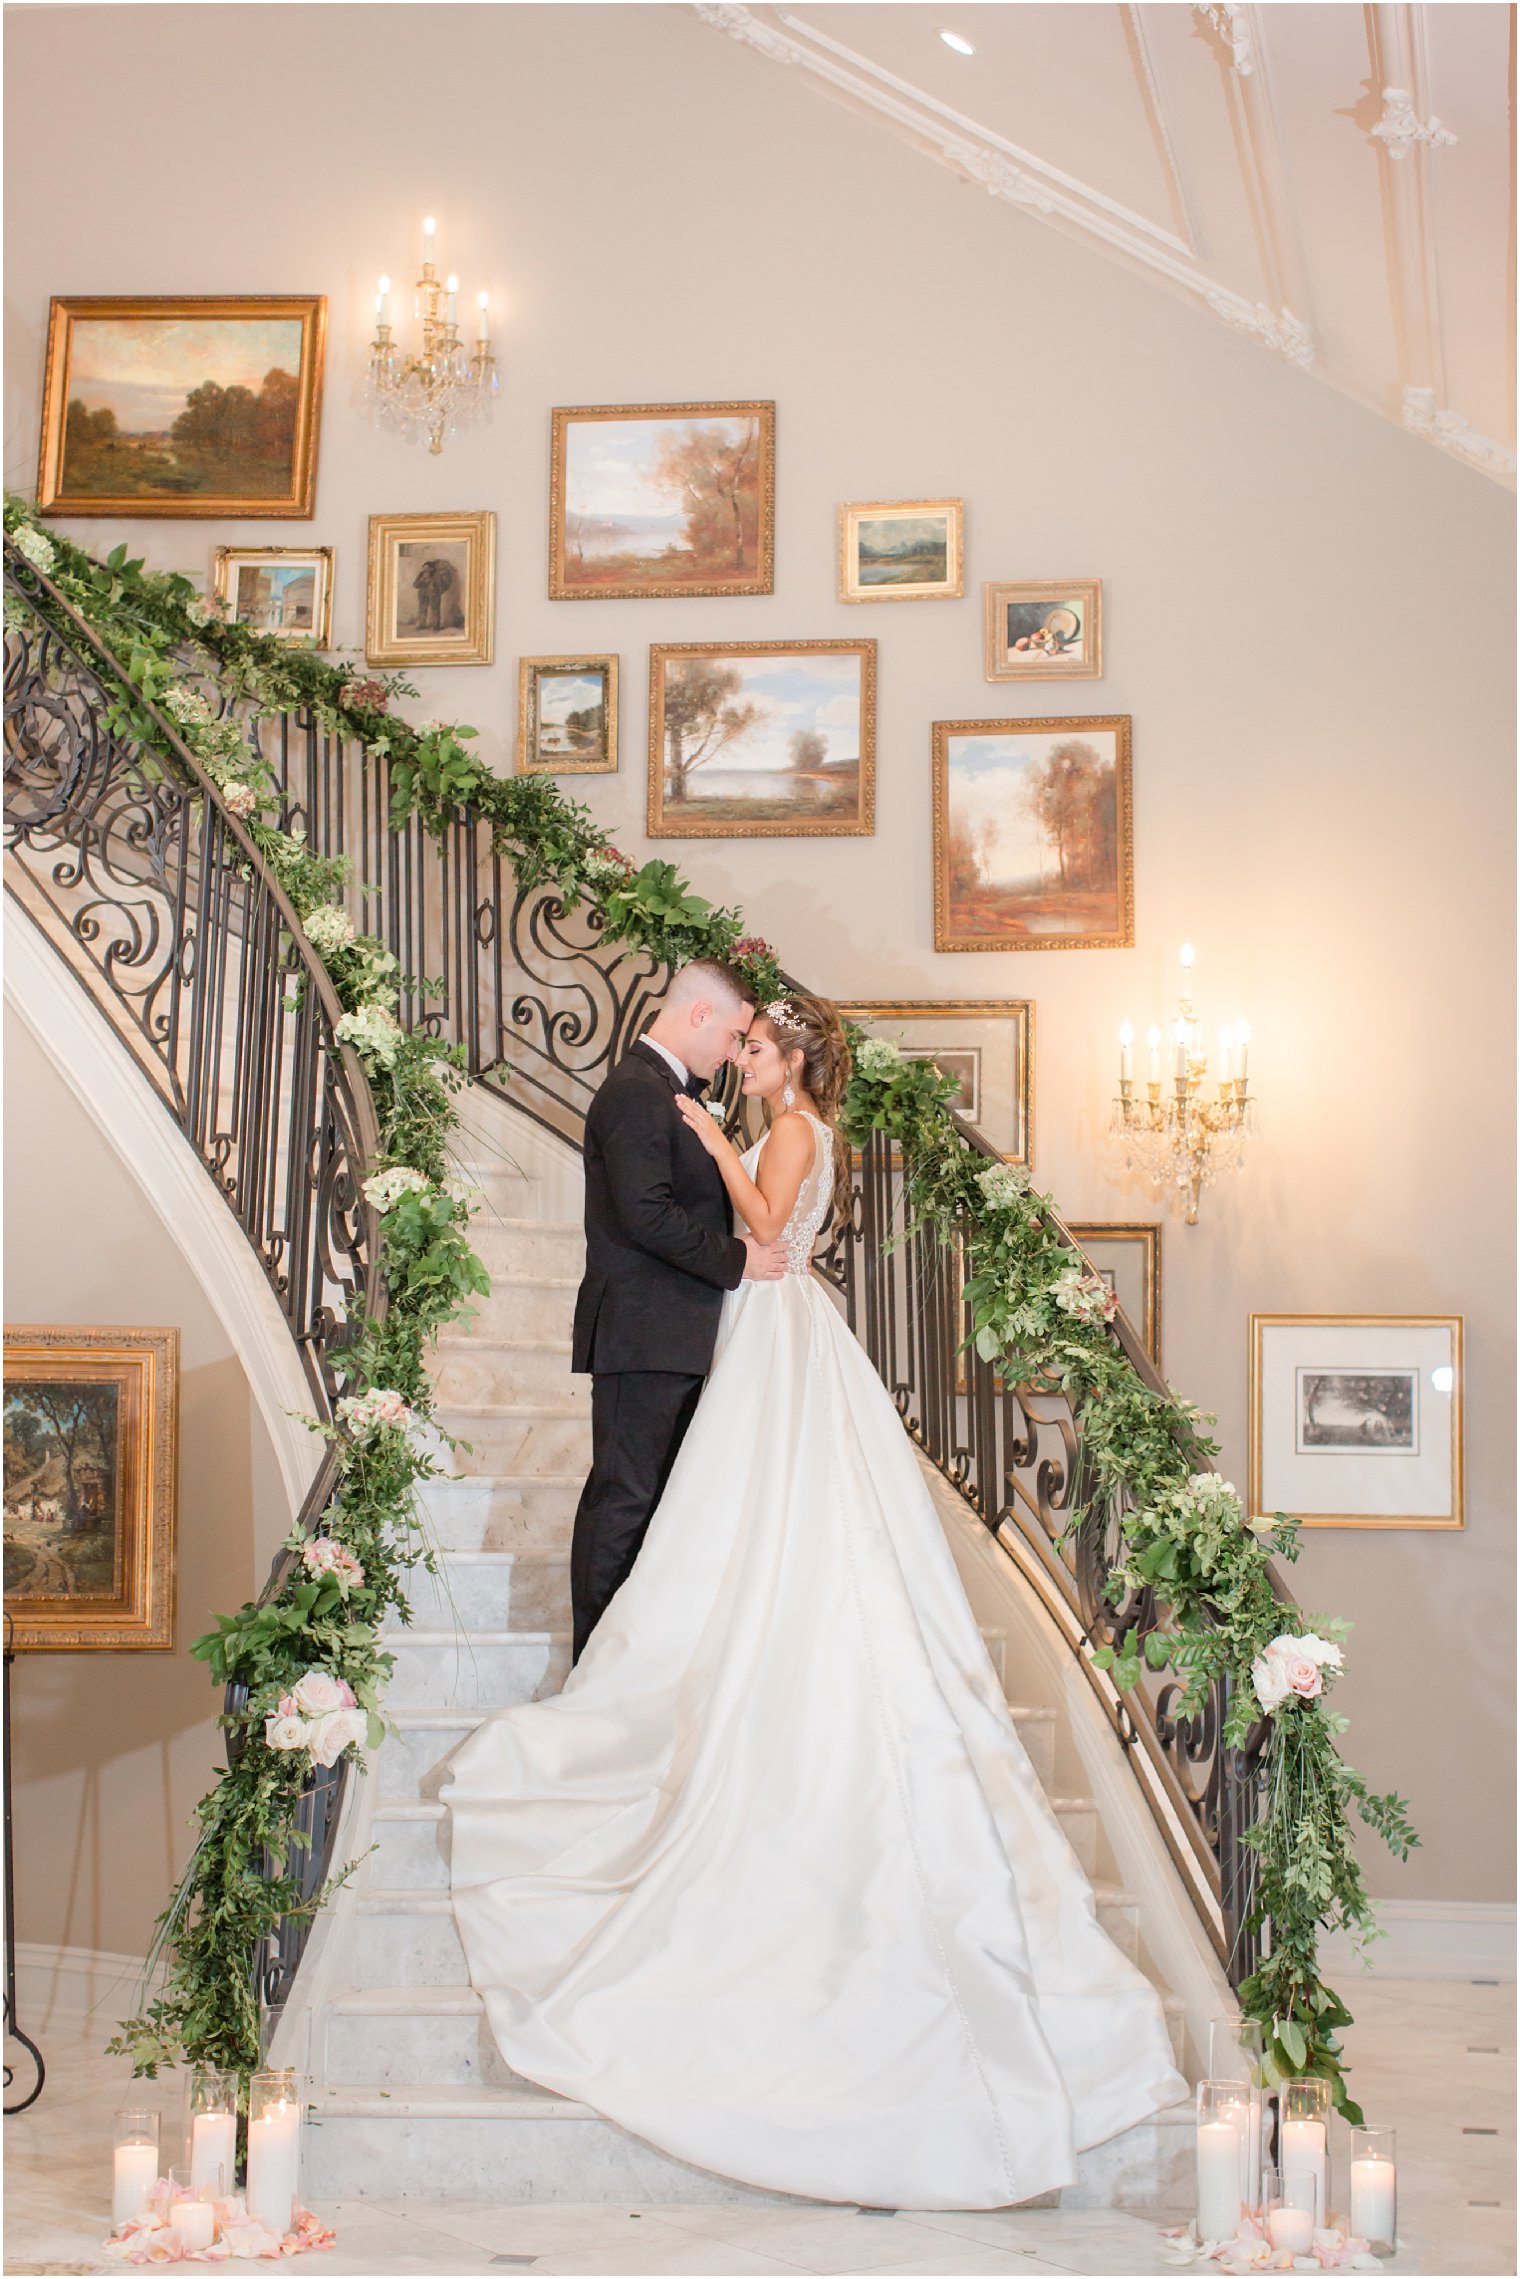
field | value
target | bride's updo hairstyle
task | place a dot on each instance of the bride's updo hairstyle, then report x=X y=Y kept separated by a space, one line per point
x=800 y=1022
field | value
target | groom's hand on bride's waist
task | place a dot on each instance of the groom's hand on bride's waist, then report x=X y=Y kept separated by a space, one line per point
x=763 y=1261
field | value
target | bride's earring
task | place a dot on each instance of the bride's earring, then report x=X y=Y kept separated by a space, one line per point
x=788 y=1096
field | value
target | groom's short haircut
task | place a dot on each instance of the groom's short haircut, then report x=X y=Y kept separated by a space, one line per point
x=708 y=977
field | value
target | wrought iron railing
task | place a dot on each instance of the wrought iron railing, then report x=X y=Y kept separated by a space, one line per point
x=158 y=902
x=543 y=1005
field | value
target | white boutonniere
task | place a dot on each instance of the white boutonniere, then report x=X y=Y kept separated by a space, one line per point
x=716 y=1110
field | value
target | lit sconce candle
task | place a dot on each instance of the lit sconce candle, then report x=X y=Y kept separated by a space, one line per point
x=1126 y=1056
x=1226 y=1053
x=1153 y=1045
x=1242 y=1041
x=453 y=299
x=1181 y=1064
x=485 y=319
x=429 y=232
x=383 y=302
x=1187 y=969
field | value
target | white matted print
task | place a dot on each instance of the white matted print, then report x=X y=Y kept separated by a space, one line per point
x=1356 y=1421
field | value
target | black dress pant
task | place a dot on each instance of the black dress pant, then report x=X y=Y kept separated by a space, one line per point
x=638 y=1421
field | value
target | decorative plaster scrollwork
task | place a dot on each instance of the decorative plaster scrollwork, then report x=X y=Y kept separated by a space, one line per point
x=1282 y=331
x=1424 y=417
x=742 y=24
x=1398 y=130
x=999 y=177
x=1228 y=19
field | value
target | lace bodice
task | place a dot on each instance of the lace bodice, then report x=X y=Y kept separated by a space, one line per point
x=813 y=1196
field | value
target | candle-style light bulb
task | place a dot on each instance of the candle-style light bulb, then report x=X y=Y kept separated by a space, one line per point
x=1226 y=1053
x=1242 y=1041
x=382 y=301
x=429 y=231
x=1181 y=1064
x=484 y=301
x=453 y=289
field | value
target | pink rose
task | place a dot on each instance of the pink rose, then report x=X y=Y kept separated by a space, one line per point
x=288 y=1706
x=346 y=1696
x=317 y=1693
x=1305 y=1677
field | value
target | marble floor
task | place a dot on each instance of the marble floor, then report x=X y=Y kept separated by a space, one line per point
x=1436 y=2060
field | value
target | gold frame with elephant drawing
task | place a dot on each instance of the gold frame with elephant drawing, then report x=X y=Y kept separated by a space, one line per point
x=91 y=1461
x=469 y=537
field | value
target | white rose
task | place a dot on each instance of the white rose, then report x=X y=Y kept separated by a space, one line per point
x=287 y=1732
x=1320 y=1650
x=317 y=1693
x=1270 y=1679
x=332 y=1734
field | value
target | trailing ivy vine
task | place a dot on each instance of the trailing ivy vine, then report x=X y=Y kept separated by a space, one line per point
x=311 y=1658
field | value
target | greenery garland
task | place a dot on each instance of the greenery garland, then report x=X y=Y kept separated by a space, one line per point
x=312 y=1658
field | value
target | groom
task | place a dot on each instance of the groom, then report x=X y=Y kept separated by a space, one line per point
x=659 y=1256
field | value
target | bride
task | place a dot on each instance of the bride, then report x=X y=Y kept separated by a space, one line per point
x=772 y=1883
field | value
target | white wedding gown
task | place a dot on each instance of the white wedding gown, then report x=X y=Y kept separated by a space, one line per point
x=773 y=1883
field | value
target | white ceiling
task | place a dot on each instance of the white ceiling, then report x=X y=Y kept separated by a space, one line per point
x=1334 y=181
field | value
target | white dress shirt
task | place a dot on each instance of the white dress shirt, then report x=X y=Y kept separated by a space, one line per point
x=665 y=1054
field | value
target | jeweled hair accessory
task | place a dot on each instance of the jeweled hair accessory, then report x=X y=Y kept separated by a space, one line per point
x=781 y=1016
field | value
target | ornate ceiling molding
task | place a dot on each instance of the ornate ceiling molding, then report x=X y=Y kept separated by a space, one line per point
x=1280 y=313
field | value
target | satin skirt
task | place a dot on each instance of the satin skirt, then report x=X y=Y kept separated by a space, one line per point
x=773 y=1883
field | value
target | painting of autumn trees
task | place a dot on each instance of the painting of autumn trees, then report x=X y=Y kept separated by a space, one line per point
x=666 y=499
x=761 y=738
x=1032 y=833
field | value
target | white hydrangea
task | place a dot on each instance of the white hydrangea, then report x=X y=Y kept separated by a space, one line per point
x=374 y=1034
x=240 y=799
x=1086 y=1297
x=1003 y=1185
x=386 y=1188
x=198 y=611
x=876 y=1057
x=37 y=547
x=186 y=705
x=364 y=1414
x=328 y=928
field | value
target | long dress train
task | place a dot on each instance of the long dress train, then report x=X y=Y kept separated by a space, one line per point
x=773 y=1883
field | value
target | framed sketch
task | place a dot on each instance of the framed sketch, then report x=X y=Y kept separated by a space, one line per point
x=200 y=406
x=985 y=1043
x=1128 y=1259
x=1047 y=631
x=282 y=590
x=650 y=500
x=91 y=1457
x=432 y=589
x=1356 y=1419
x=567 y=715
x=762 y=739
x=1033 y=843
x=902 y=550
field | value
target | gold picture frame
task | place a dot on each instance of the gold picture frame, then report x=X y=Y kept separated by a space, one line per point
x=279 y=611
x=1001 y=1110
x=706 y=476
x=1372 y=1415
x=579 y=747
x=1045 y=629
x=91 y=1459
x=975 y=911
x=884 y=542
x=1143 y=1237
x=737 y=695
x=448 y=618
x=118 y=362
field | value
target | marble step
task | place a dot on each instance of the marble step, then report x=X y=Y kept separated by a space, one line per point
x=502 y=1511
x=410 y=1764
x=479 y=1669
x=513 y=2144
x=509 y=1248
x=523 y=1436
x=527 y=1306
x=484 y=1368
x=490 y=1590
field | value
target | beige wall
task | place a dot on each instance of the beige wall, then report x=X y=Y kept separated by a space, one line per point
x=1308 y=617
x=114 y=1751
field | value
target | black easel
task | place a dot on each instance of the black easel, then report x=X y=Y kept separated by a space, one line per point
x=13 y=2032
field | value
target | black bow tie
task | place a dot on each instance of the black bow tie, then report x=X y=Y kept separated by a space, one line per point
x=695 y=1086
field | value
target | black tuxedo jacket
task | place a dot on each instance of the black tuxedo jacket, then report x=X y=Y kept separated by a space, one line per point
x=659 y=1250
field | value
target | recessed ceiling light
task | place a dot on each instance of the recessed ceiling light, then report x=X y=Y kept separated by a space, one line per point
x=961 y=47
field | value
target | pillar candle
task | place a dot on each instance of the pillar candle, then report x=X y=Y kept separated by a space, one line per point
x=1292 y=2228
x=213 y=2151
x=1372 y=2200
x=1218 y=2180
x=134 y=2174
x=274 y=2160
x=1303 y=2157
x=195 y=2221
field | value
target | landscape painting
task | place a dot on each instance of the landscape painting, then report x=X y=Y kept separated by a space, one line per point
x=657 y=499
x=567 y=715
x=907 y=550
x=283 y=590
x=1032 y=834
x=182 y=407
x=90 y=1419
x=1045 y=631
x=1373 y=1412
x=1356 y=1420
x=762 y=739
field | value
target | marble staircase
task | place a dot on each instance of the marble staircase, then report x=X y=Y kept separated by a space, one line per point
x=410 y=2095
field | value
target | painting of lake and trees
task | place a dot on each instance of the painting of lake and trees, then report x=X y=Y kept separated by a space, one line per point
x=664 y=499
x=1032 y=834
x=762 y=739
